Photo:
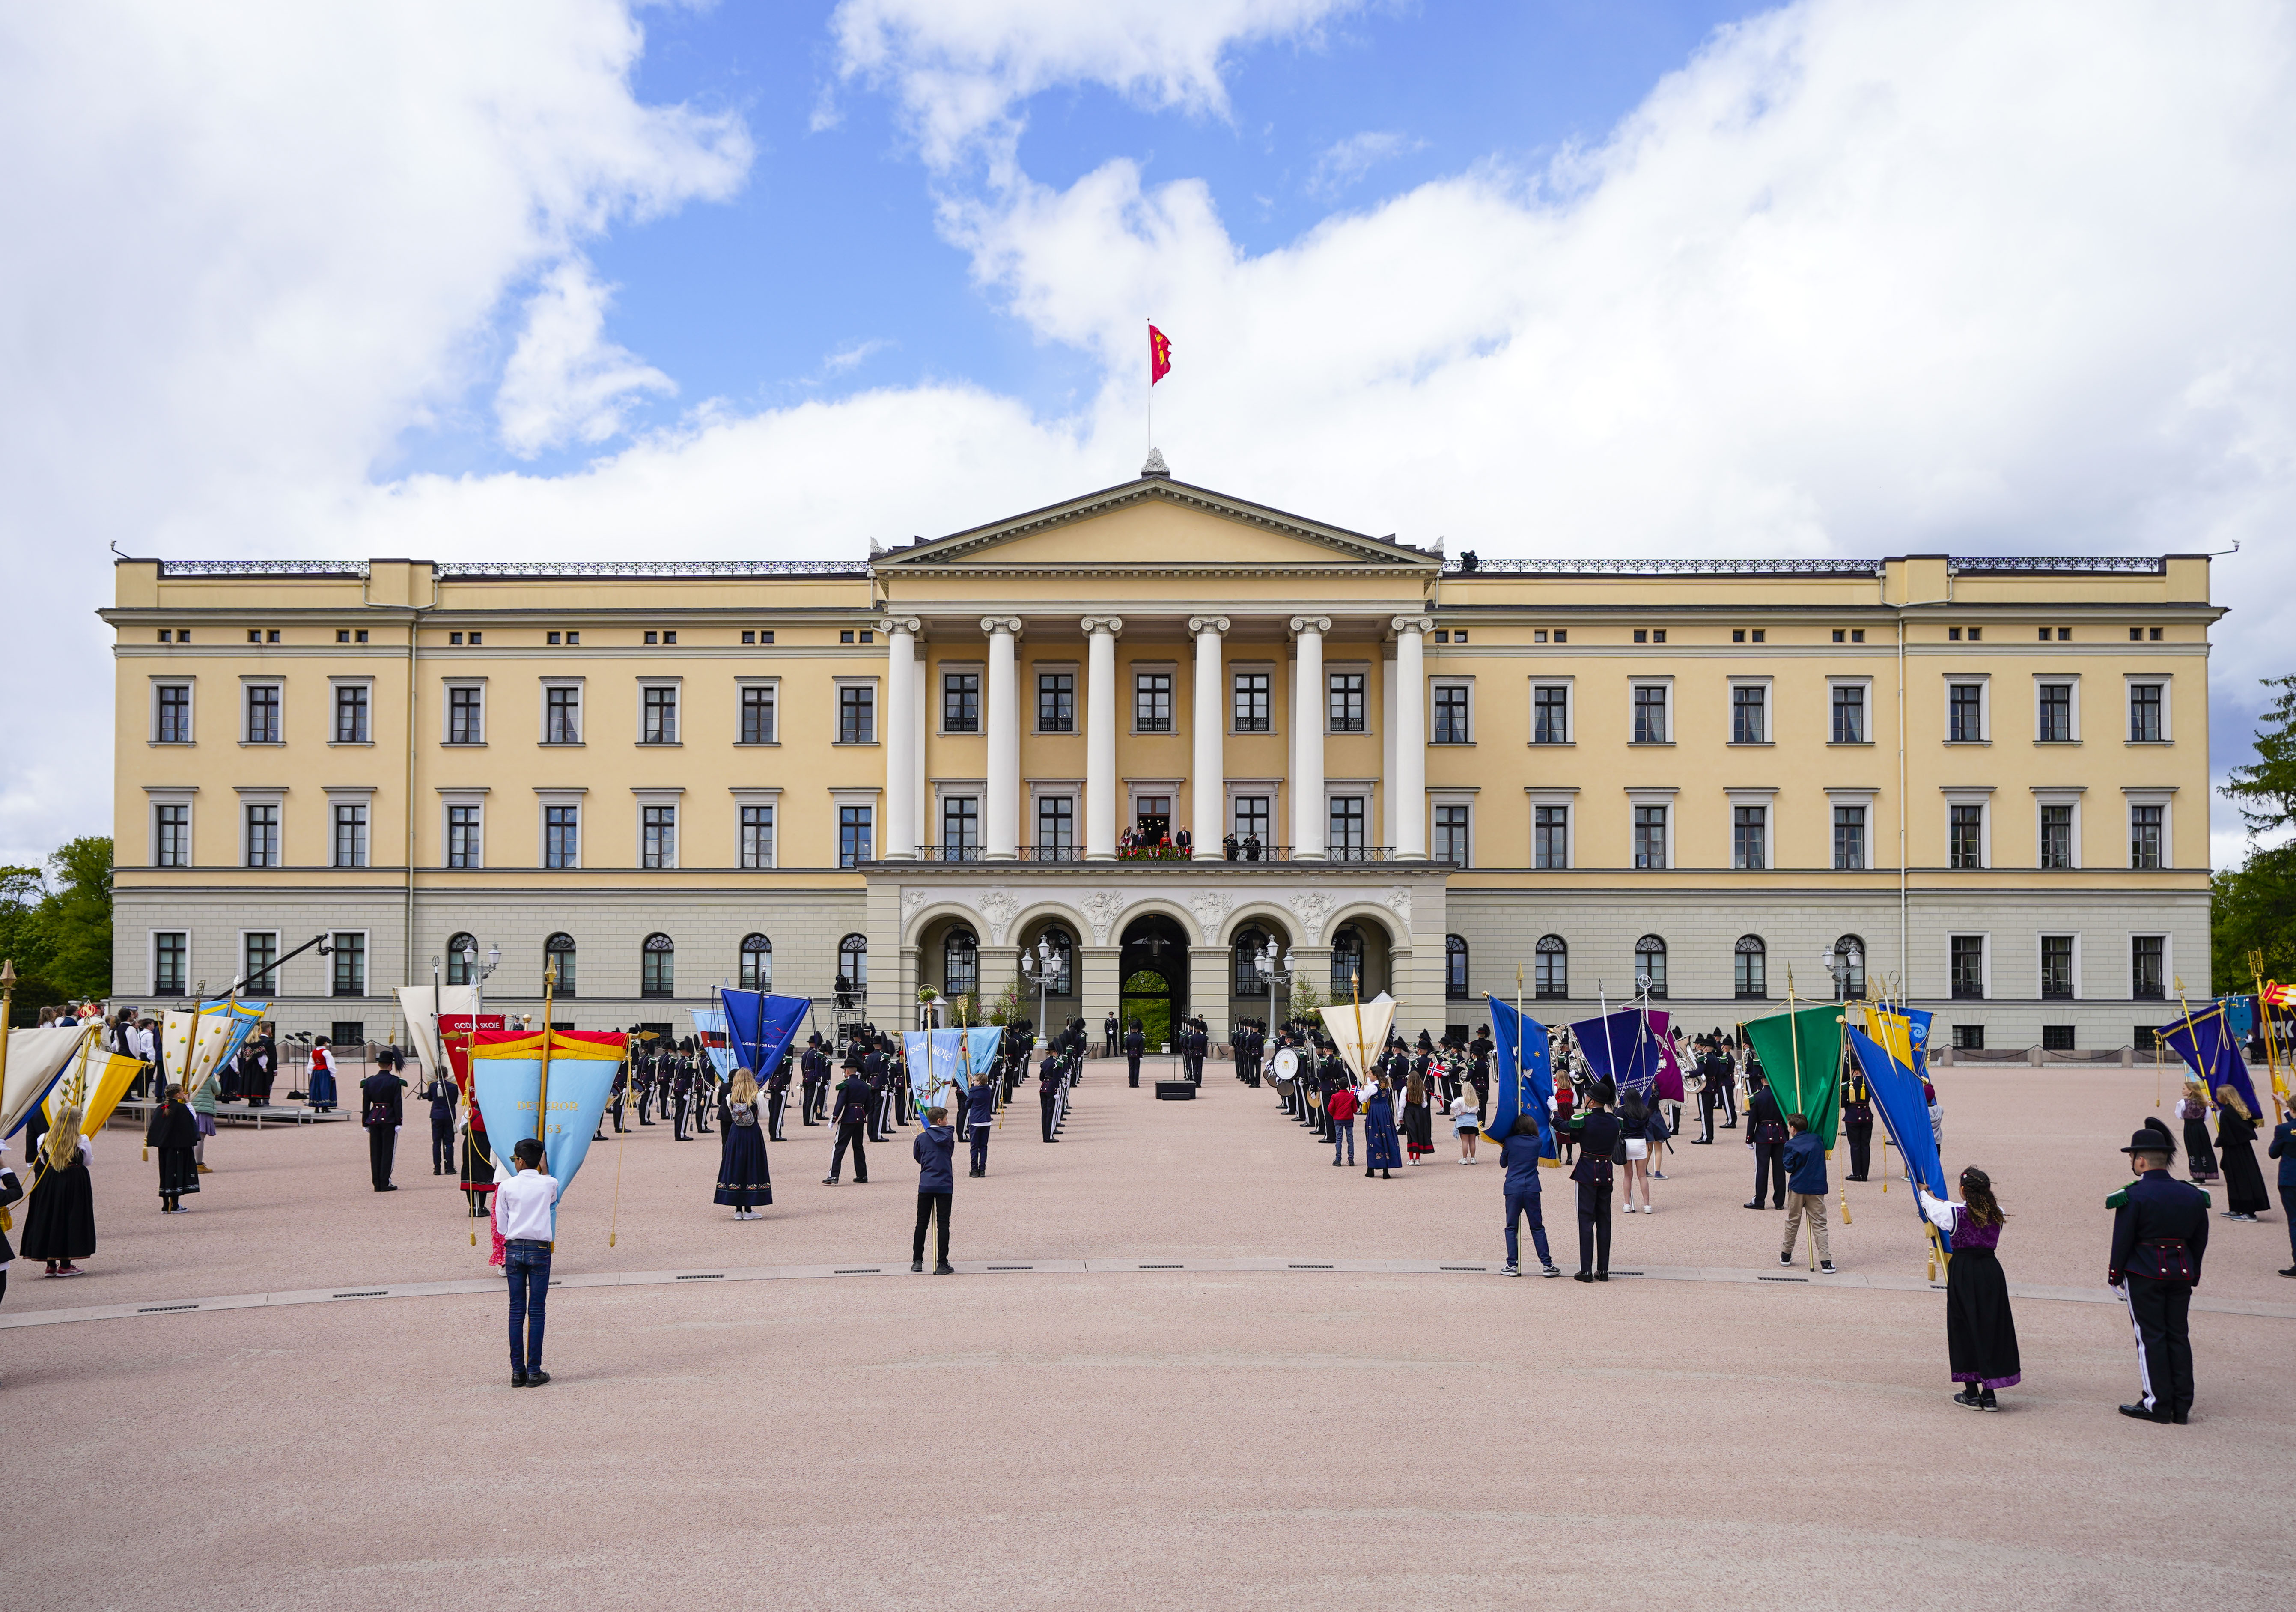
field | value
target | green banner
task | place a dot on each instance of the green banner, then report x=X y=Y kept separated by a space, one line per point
x=1801 y=1054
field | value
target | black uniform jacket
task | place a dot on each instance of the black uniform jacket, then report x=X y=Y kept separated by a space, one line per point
x=2161 y=1230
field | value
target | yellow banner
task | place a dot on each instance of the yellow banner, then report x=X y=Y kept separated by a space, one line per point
x=94 y=1083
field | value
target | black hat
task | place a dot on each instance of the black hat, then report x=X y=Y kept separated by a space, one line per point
x=2149 y=1140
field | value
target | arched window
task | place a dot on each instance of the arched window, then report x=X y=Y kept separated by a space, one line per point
x=1551 y=966
x=461 y=955
x=1750 y=966
x=960 y=961
x=1250 y=947
x=1650 y=966
x=658 y=966
x=1062 y=961
x=853 y=963
x=757 y=963
x=1850 y=984
x=1455 y=967
x=1347 y=963
x=558 y=953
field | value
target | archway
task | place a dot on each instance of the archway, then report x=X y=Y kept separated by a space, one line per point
x=1152 y=974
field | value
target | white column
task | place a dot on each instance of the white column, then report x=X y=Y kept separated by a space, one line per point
x=900 y=738
x=923 y=722
x=1000 y=834
x=1208 y=819
x=1100 y=737
x=1311 y=812
x=1407 y=785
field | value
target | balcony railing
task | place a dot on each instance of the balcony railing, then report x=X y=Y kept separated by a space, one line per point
x=1169 y=853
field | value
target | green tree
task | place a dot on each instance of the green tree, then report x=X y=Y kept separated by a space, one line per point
x=56 y=927
x=2266 y=789
x=1154 y=1011
x=2252 y=908
x=1306 y=999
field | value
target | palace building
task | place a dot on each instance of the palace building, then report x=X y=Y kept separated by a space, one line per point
x=1989 y=777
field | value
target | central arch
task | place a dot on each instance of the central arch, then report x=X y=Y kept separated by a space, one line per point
x=1152 y=974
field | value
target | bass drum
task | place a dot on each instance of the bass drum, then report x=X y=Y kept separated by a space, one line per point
x=1285 y=1065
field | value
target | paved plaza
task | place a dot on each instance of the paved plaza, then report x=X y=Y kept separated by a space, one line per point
x=1185 y=1363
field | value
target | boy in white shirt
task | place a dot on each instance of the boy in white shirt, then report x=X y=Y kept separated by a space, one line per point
x=522 y=1211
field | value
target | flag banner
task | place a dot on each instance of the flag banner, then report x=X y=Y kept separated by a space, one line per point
x=1522 y=1078
x=760 y=1026
x=246 y=1016
x=1668 y=1088
x=2239 y=1014
x=2205 y=1041
x=1618 y=1048
x=35 y=1057
x=709 y=1030
x=1917 y=1033
x=455 y=1032
x=1897 y=1093
x=1801 y=1056
x=222 y=1027
x=92 y=1081
x=422 y=1005
x=507 y=1076
x=1160 y=356
x=1359 y=1031
x=2279 y=995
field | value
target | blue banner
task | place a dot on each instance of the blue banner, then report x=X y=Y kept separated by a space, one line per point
x=1620 y=1047
x=709 y=1030
x=1522 y=1078
x=760 y=1027
x=942 y=1062
x=506 y=1077
x=1897 y=1093
x=2205 y=1041
x=1917 y=1022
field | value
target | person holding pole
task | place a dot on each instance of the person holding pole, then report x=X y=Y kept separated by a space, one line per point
x=523 y=1205
x=934 y=1150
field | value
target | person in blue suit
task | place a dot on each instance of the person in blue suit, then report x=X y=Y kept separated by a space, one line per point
x=2159 y=1233
x=1520 y=1154
x=980 y=1117
x=934 y=1150
x=1382 y=1148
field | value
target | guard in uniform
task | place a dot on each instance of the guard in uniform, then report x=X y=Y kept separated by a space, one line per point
x=816 y=1067
x=1108 y=1036
x=681 y=1094
x=1858 y=1122
x=1134 y=1044
x=619 y=1098
x=777 y=1085
x=2160 y=1232
x=1048 y=1094
x=854 y=1103
x=642 y=1072
x=442 y=1093
x=1713 y=1081
x=981 y=1116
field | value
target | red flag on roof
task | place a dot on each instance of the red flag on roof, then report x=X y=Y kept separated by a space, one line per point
x=1160 y=356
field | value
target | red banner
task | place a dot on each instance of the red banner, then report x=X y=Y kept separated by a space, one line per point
x=455 y=1032
x=1160 y=356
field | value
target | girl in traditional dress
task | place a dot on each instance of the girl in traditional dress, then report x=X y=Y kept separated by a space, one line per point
x=2193 y=1108
x=174 y=1133
x=322 y=1081
x=744 y=1184
x=2236 y=1146
x=1418 y=1120
x=1633 y=1156
x=1382 y=1152
x=1980 y=1334
x=60 y=1219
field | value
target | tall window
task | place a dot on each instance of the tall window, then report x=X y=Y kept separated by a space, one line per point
x=1750 y=832
x=1062 y=964
x=350 y=965
x=562 y=710
x=1455 y=968
x=1347 y=963
x=1965 y=837
x=1244 y=958
x=1347 y=701
x=174 y=716
x=658 y=966
x=757 y=836
x=1749 y=709
x=1451 y=713
x=659 y=831
x=1252 y=701
x=1848 y=838
x=561 y=836
x=171 y=836
x=1056 y=702
x=960 y=961
x=2056 y=968
x=1151 y=701
x=2057 y=714
x=1650 y=836
x=1850 y=713
x=1550 y=714
x=1251 y=815
x=263 y=713
x=857 y=714
x=853 y=826
x=1964 y=713
x=853 y=963
x=1346 y=843
x=757 y=713
x=1550 y=968
x=463 y=847
x=1550 y=836
x=558 y=953
x=2056 y=837
x=2145 y=713
x=462 y=952
x=350 y=834
x=659 y=720
x=259 y=957
x=1650 y=966
x=262 y=836
x=351 y=713
x=2147 y=966
x=960 y=826
x=1650 y=713
x=1750 y=968
x=1055 y=827
x=1851 y=984
x=1451 y=835
x=1968 y=951
x=170 y=954
x=960 y=701
x=757 y=963
x=2144 y=835
x=466 y=715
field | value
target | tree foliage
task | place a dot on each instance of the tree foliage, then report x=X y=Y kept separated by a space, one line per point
x=55 y=926
x=2252 y=908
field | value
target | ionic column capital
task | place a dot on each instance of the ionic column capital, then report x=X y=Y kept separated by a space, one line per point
x=1420 y=624
x=1199 y=625
x=996 y=624
x=1110 y=625
x=1315 y=624
x=912 y=625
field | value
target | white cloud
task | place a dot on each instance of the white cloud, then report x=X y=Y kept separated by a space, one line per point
x=852 y=358
x=565 y=381
x=1341 y=164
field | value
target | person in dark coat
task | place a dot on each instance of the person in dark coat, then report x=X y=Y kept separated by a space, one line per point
x=1713 y=1079
x=172 y=1134
x=1858 y=1122
x=1134 y=1044
x=934 y=1150
x=854 y=1104
x=2244 y=1196
x=2199 y=1157
x=382 y=1098
x=60 y=1215
x=11 y=1190
x=1521 y=1156
x=1980 y=1333
x=1766 y=1131
x=745 y=1184
x=2159 y=1234
x=1382 y=1150
x=1600 y=1139
x=1048 y=1095
x=440 y=1092
x=2283 y=1148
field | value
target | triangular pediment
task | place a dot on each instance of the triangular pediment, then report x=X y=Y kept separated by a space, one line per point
x=1158 y=522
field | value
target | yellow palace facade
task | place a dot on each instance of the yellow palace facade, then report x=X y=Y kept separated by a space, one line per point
x=1987 y=778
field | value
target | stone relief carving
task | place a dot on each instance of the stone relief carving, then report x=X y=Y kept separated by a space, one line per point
x=912 y=898
x=998 y=907
x=1311 y=907
x=1211 y=909
x=1101 y=906
x=1399 y=902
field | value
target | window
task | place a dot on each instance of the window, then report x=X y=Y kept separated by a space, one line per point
x=2056 y=968
x=757 y=713
x=1850 y=984
x=1750 y=968
x=857 y=714
x=1451 y=713
x=658 y=832
x=1550 y=713
x=1550 y=968
x=463 y=846
x=1965 y=837
x=853 y=826
x=350 y=965
x=1750 y=832
x=1455 y=968
x=561 y=836
x=1856 y=635
x=757 y=836
x=659 y=722
x=1062 y=965
x=558 y=953
x=1738 y=634
x=757 y=963
x=1964 y=713
x=1346 y=982
x=1850 y=713
x=466 y=714
x=1550 y=836
x=1347 y=701
x=1151 y=701
x=1848 y=838
x=171 y=836
x=1968 y=959
x=1451 y=835
x=1055 y=826
x=172 y=721
x=658 y=965
x=960 y=827
x=960 y=961
x=2148 y=966
x=1650 y=966
x=2056 y=719
x=1749 y=703
x=2056 y=837
x=960 y=701
x=350 y=833
x=259 y=952
x=262 y=836
x=2145 y=726
x=170 y=958
x=1650 y=836
x=1251 y=815
x=1252 y=701
x=263 y=713
x=853 y=964
x=1056 y=702
x=753 y=636
x=1650 y=713
x=351 y=713
x=2057 y=1037
x=1969 y=1037
x=2144 y=823
x=1244 y=959
x=461 y=956
x=1347 y=819
x=562 y=715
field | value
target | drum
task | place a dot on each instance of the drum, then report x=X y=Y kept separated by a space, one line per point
x=1286 y=1064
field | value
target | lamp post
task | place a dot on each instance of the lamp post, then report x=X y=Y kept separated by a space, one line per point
x=1275 y=976
x=1045 y=968
x=1841 y=965
x=479 y=973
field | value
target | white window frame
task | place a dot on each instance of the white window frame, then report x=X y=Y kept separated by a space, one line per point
x=544 y=799
x=1038 y=670
x=247 y=683
x=253 y=796
x=1569 y=684
x=1849 y=797
x=1451 y=679
x=2079 y=967
x=1768 y=800
x=1134 y=670
x=1984 y=681
x=877 y=718
x=1666 y=685
x=2168 y=939
x=361 y=795
x=1864 y=686
x=1981 y=796
x=1071 y=790
x=1456 y=797
x=448 y=687
x=1567 y=799
x=335 y=685
x=975 y=790
x=156 y=795
x=676 y=687
x=939 y=685
x=659 y=797
x=1274 y=672
x=190 y=687
x=2164 y=796
x=2073 y=678
x=839 y=799
x=465 y=797
x=1354 y=669
x=1767 y=682
x=1668 y=798
x=2128 y=681
x=239 y=964
x=1272 y=788
x=772 y=687
x=151 y=961
x=2058 y=795
x=582 y=713
x=1984 y=937
x=367 y=965
x=767 y=796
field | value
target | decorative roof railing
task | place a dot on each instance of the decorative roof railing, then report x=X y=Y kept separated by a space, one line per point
x=263 y=568
x=2003 y=565
x=1964 y=565
x=630 y=569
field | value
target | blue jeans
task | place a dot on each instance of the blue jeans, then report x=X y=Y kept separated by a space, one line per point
x=1343 y=1137
x=1520 y=1204
x=527 y=1264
